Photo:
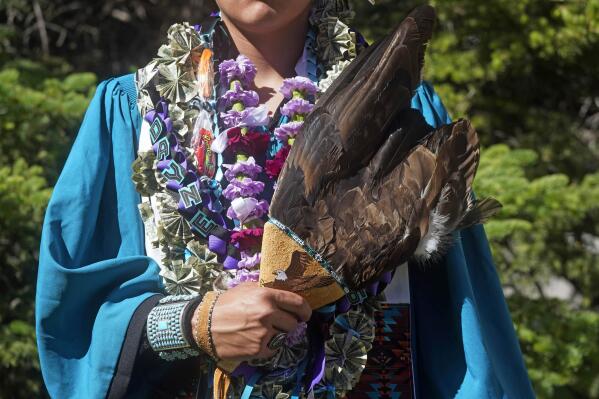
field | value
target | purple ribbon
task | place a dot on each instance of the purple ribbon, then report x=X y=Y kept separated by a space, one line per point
x=160 y=111
x=209 y=191
x=342 y=305
x=217 y=245
x=230 y=263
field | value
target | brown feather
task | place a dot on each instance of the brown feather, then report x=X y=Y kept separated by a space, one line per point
x=368 y=183
x=480 y=212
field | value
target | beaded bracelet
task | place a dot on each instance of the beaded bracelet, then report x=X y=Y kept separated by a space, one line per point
x=167 y=327
x=203 y=324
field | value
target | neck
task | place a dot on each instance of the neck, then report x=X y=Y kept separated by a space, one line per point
x=275 y=54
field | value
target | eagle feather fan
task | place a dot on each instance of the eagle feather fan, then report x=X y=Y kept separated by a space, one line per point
x=368 y=183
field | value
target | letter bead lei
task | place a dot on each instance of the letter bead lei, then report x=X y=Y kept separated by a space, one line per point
x=162 y=126
x=246 y=133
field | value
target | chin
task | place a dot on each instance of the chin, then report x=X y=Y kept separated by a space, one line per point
x=262 y=15
x=256 y=14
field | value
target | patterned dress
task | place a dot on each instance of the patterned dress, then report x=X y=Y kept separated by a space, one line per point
x=388 y=372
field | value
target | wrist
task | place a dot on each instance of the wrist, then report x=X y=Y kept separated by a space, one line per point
x=167 y=327
x=201 y=324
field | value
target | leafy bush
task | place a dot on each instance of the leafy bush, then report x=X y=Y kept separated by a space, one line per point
x=525 y=72
x=37 y=120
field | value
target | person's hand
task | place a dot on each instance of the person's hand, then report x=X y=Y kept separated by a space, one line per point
x=246 y=317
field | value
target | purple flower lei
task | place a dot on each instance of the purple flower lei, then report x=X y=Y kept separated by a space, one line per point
x=241 y=69
x=297 y=106
x=242 y=190
x=243 y=111
x=298 y=86
x=236 y=94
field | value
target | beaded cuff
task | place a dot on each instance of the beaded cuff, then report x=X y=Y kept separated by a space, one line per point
x=202 y=333
x=168 y=327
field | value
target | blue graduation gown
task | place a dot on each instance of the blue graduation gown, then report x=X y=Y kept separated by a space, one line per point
x=94 y=274
x=464 y=340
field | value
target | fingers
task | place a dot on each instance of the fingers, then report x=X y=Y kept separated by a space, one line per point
x=283 y=321
x=265 y=351
x=265 y=312
x=292 y=303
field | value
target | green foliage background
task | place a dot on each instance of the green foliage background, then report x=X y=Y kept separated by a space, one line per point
x=525 y=72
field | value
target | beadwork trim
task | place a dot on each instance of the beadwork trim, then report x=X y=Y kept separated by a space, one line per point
x=210 y=339
x=352 y=295
x=203 y=324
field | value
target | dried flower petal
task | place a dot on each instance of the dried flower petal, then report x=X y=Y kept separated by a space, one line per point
x=251 y=116
x=248 y=98
x=273 y=166
x=244 y=209
x=249 y=260
x=247 y=238
x=244 y=187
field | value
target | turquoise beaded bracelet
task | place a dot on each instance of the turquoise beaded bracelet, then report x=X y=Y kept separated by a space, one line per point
x=167 y=327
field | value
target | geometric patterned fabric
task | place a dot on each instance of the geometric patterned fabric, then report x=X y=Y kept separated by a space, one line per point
x=388 y=372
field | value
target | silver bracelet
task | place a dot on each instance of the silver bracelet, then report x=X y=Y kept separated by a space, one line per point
x=168 y=329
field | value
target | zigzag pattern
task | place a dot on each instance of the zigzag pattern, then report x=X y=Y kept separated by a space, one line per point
x=388 y=373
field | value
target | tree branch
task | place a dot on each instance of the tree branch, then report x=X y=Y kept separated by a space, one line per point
x=41 y=27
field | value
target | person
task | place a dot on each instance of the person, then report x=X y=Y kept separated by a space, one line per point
x=141 y=292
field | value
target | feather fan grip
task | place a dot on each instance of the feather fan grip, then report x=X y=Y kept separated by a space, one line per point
x=369 y=185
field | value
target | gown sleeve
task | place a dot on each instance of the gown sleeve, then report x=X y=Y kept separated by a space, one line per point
x=93 y=272
x=464 y=343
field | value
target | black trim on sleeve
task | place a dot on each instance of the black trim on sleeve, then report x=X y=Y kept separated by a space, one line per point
x=131 y=345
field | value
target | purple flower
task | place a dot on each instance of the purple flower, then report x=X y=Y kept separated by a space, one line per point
x=243 y=209
x=247 y=168
x=298 y=83
x=251 y=116
x=244 y=187
x=248 y=98
x=296 y=106
x=287 y=130
x=242 y=276
x=241 y=69
x=295 y=337
x=249 y=260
